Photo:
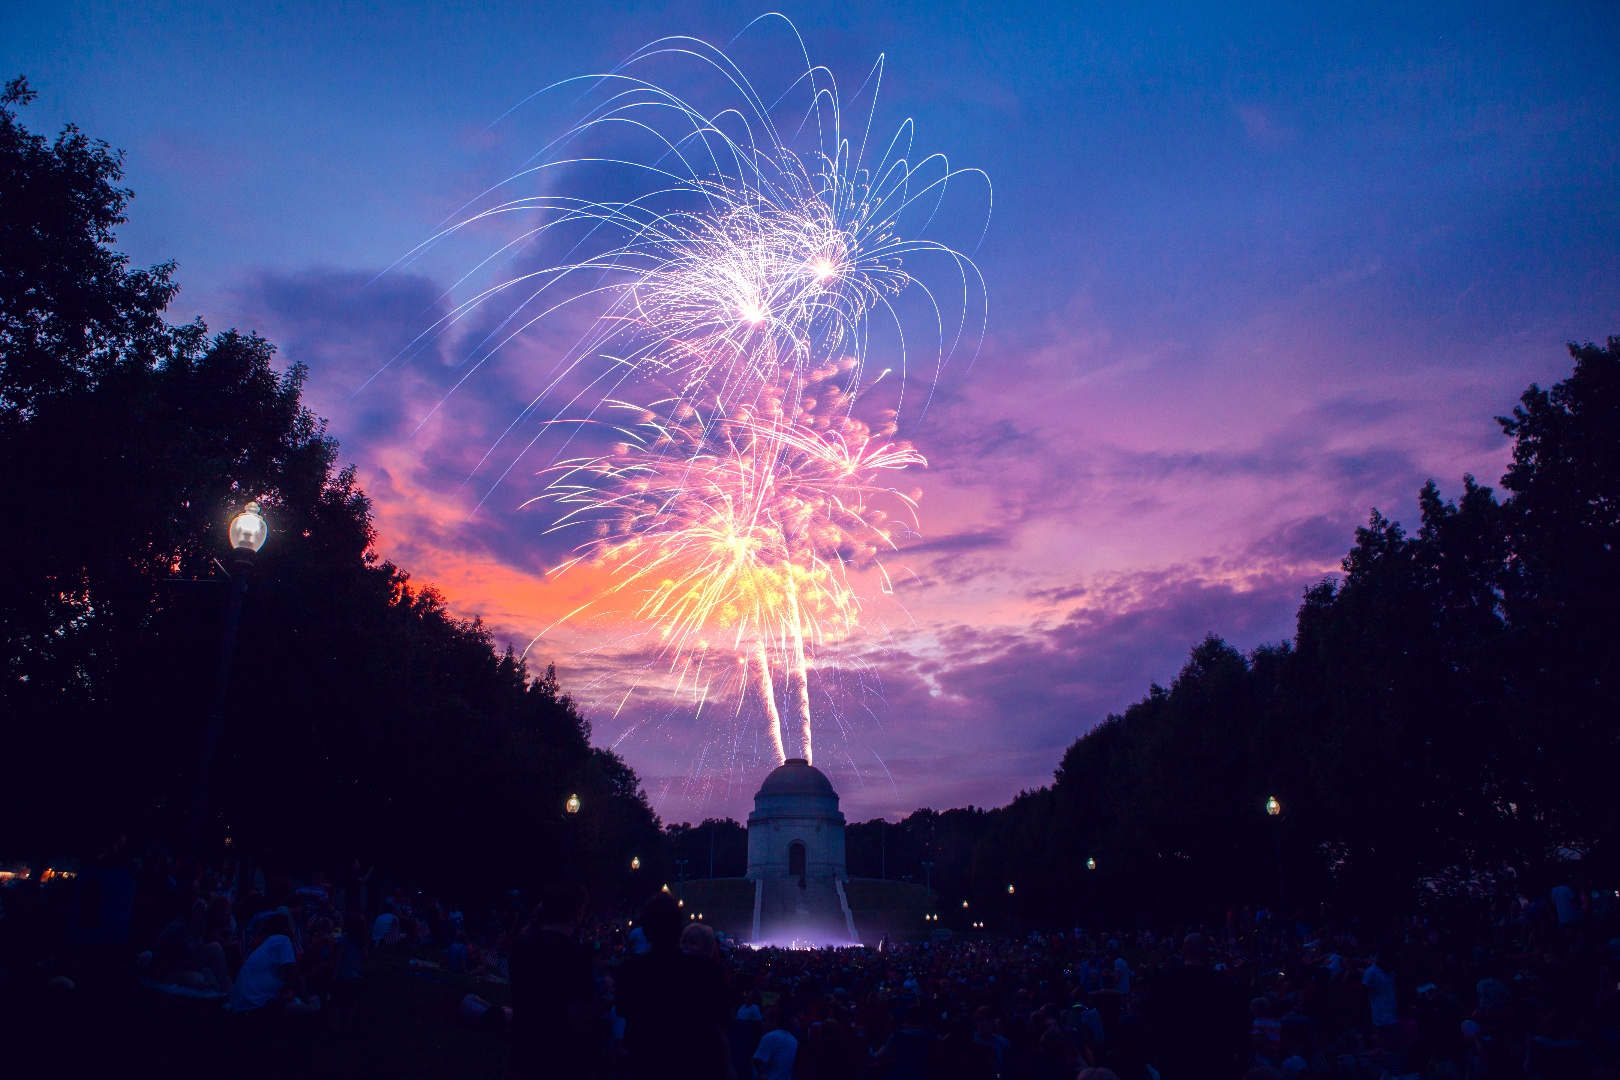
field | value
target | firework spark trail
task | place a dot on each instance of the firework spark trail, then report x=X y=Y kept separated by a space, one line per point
x=739 y=281
x=740 y=529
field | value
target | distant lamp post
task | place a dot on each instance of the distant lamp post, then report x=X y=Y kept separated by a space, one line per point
x=1274 y=812
x=571 y=811
x=1010 y=890
x=247 y=532
x=1091 y=864
x=635 y=862
x=964 y=905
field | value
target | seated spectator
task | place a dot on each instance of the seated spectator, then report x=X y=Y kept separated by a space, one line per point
x=385 y=930
x=320 y=956
x=1265 y=1033
x=270 y=968
x=1558 y=1053
x=457 y=955
x=348 y=972
x=182 y=956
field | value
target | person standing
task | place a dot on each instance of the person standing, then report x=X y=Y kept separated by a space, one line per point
x=673 y=1004
x=552 y=990
x=1379 y=980
x=1199 y=1019
x=777 y=1049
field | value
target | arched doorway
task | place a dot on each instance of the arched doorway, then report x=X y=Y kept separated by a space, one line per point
x=796 y=858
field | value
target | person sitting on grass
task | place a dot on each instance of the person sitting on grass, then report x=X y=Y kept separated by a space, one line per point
x=348 y=972
x=270 y=968
x=182 y=956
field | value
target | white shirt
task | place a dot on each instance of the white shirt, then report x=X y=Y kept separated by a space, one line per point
x=259 y=981
x=1563 y=898
x=775 y=1055
x=1380 y=986
x=384 y=925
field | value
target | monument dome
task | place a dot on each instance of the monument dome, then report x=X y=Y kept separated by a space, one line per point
x=796 y=859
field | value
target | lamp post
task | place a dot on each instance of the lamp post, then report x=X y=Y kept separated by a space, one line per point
x=1274 y=812
x=571 y=811
x=248 y=532
x=680 y=879
x=928 y=875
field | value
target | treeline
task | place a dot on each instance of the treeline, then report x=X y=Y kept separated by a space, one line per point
x=364 y=719
x=1445 y=720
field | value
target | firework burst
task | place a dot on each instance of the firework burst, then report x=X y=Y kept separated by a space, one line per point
x=736 y=532
x=755 y=254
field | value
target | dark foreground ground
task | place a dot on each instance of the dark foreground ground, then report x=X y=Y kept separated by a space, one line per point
x=409 y=1027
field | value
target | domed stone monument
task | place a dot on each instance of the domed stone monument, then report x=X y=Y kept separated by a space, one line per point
x=796 y=860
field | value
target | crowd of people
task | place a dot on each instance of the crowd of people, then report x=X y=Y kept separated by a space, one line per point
x=1519 y=989
x=1529 y=990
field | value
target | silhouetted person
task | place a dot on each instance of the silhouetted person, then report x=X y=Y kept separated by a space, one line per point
x=959 y=1057
x=552 y=988
x=673 y=1004
x=1200 y=1021
x=907 y=1053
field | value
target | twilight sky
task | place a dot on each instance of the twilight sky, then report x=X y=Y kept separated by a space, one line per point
x=1251 y=272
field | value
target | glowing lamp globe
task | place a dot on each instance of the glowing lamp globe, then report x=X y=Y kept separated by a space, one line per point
x=572 y=805
x=1010 y=890
x=1273 y=807
x=1091 y=864
x=635 y=862
x=248 y=530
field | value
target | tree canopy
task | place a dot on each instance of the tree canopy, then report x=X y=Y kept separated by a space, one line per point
x=1446 y=716
x=365 y=719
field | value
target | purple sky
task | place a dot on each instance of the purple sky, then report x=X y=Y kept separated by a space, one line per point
x=1251 y=273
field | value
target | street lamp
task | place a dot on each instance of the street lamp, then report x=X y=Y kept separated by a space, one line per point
x=247 y=532
x=570 y=812
x=1091 y=864
x=1010 y=890
x=635 y=862
x=1274 y=811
